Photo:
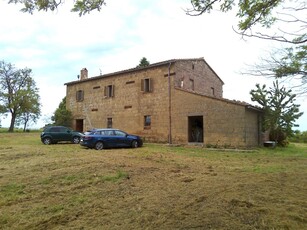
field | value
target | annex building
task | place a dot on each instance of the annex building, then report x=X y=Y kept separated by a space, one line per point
x=177 y=101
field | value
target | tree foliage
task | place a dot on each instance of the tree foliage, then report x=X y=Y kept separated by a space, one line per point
x=19 y=94
x=31 y=112
x=299 y=137
x=280 y=111
x=144 y=62
x=252 y=13
x=80 y=6
x=289 y=65
x=62 y=116
x=275 y=20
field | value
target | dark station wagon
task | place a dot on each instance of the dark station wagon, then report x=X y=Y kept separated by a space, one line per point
x=109 y=138
x=55 y=134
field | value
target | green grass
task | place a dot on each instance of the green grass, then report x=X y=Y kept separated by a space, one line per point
x=65 y=186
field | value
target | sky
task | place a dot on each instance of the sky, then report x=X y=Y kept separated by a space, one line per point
x=57 y=45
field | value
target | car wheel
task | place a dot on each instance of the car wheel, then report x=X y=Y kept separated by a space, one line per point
x=99 y=145
x=47 y=141
x=134 y=144
x=76 y=140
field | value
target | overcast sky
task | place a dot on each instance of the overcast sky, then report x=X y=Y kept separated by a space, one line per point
x=57 y=45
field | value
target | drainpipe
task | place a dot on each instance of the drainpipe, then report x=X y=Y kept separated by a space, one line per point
x=169 y=105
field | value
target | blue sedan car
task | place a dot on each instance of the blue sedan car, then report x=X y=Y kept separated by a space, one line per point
x=109 y=138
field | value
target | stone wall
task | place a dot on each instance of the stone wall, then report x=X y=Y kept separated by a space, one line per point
x=206 y=81
x=129 y=104
x=225 y=123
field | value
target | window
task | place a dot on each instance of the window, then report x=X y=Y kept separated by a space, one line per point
x=191 y=84
x=212 y=90
x=119 y=133
x=109 y=91
x=146 y=85
x=109 y=122
x=55 y=129
x=109 y=132
x=181 y=83
x=80 y=95
x=64 y=130
x=147 y=121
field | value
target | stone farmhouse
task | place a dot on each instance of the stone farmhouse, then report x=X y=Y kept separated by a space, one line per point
x=177 y=101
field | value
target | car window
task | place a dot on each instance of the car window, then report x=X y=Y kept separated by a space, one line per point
x=120 y=133
x=103 y=132
x=54 y=129
x=63 y=130
x=109 y=132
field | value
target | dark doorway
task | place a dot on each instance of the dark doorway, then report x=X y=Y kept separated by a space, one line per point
x=196 y=129
x=79 y=125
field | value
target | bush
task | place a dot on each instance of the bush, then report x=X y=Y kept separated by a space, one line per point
x=299 y=137
x=280 y=137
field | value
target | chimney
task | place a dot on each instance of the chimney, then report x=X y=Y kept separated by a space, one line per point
x=84 y=74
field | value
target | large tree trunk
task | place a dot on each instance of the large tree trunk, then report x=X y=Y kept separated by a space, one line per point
x=11 y=129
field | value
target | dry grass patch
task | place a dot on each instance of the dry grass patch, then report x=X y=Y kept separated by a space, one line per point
x=65 y=186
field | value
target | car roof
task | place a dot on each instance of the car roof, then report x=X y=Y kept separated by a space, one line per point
x=103 y=129
x=56 y=126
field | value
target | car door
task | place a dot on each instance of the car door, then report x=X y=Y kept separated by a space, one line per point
x=109 y=138
x=55 y=133
x=65 y=134
x=121 y=139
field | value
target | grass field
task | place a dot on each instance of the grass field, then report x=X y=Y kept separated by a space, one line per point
x=65 y=186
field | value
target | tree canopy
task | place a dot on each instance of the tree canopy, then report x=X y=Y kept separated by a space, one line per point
x=286 y=14
x=276 y=20
x=280 y=110
x=18 y=93
x=80 y=6
x=31 y=111
x=62 y=116
x=144 y=62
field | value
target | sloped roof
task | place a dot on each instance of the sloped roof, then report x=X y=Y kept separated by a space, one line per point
x=236 y=102
x=167 y=62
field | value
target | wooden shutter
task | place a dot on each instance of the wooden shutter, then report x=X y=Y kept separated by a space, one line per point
x=82 y=95
x=112 y=91
x=105 y=93
x=79 y=95
x=142 y=85
x=150 y=87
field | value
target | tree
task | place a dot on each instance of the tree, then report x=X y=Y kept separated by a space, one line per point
x=287 y=14
x=289 y=65
x=18 y=94
x=80 y=6
x=3 y=111
x=144 y=62
x=31 y=111
x=280 y=112
x=62 y=116
x=299 y=137
x=275 y=20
